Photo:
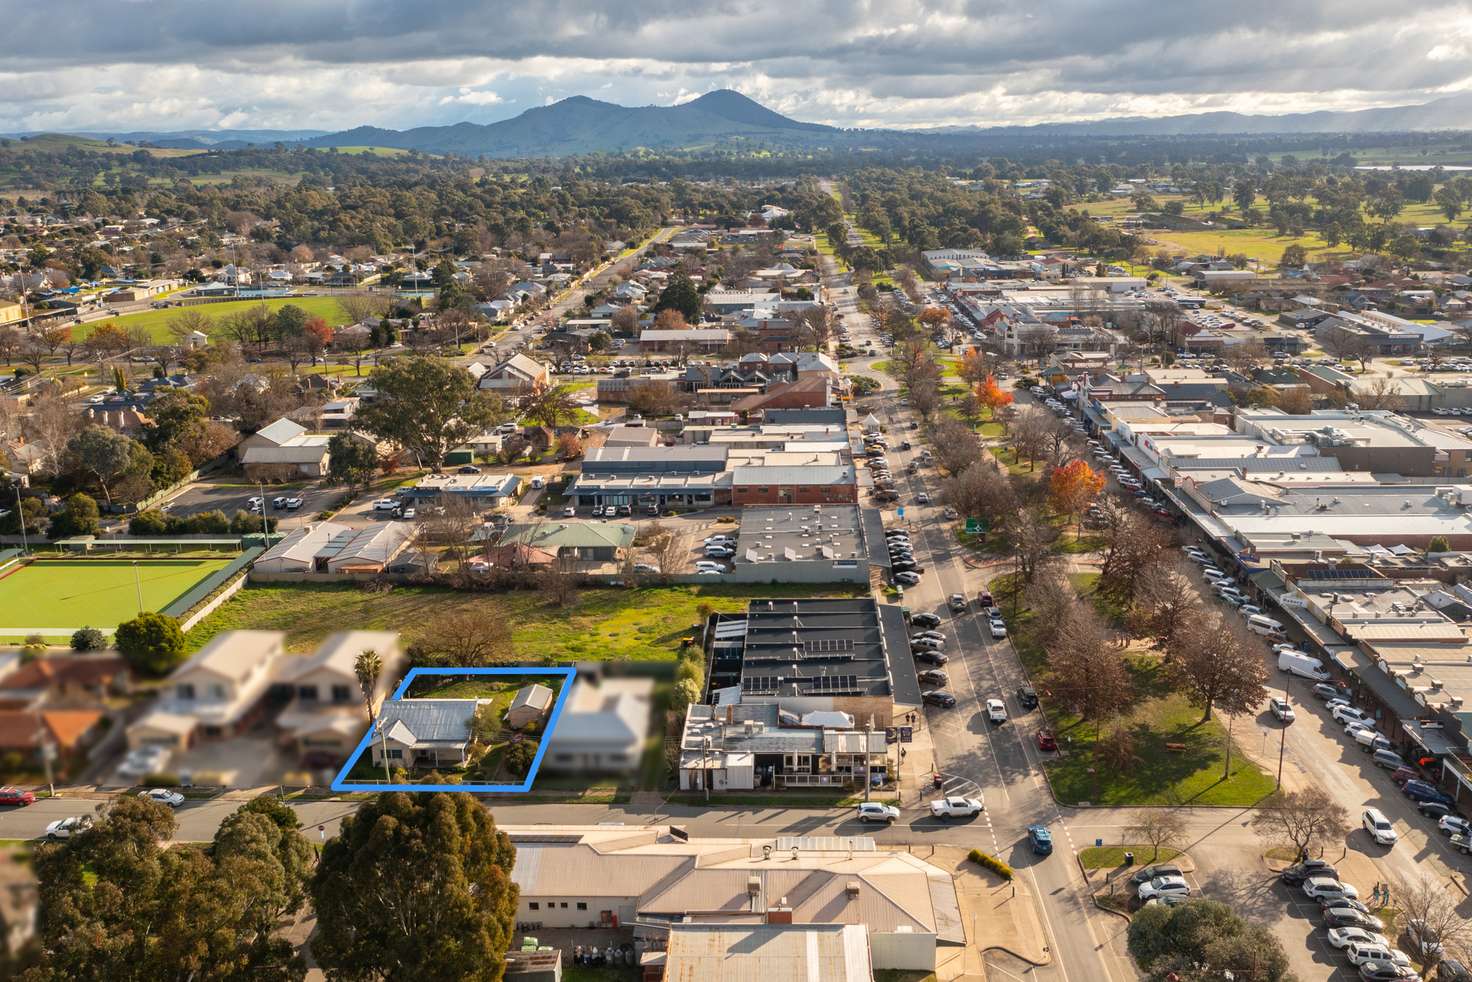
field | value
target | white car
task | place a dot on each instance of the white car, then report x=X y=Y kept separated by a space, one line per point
x=1345 y=715
x=1165 y=886
x=704 y=565
x=65 y=828
x=569 y=512
x=1281 y=709
x=996 y=711
x=293 y=503
x=163 y=796
x=922 y=498
x=1379 y=827
x=998 y=628
x=956 y=807
x=1323 y=888
x=1358 y=954
x=873 y=811
x=1342 y=937
x=385 y=504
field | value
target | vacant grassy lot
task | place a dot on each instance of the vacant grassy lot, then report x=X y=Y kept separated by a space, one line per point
x=644 y=623
x=156 y=322
x=1262 y=244
x=101 y=593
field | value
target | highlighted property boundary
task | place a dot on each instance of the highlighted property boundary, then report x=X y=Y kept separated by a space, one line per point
x=339 y=783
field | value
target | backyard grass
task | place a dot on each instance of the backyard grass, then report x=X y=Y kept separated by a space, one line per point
x=645 y=623
x=156 y=322
x=101 y=593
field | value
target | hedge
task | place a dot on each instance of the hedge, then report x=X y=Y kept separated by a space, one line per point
x=987 y=861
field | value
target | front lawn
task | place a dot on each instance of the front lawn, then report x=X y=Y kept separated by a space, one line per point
x=608 y=623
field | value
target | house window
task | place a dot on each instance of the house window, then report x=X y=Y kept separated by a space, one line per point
x=395 y=754
x=184 y=690
x=563 y=905
x=582 y=905
x=218 y=692
x=307 y=692
x=534 y=906
x=342 y=693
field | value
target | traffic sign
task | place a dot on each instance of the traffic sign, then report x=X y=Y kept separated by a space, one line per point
x=975 y=526
x=900 y=511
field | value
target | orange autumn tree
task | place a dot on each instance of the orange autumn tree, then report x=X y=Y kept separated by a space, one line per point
x=973 y=366
x=1072 y=487
x=991 y=395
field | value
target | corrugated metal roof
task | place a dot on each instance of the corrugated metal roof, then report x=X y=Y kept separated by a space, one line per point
x=768 y=953
x=430 y=720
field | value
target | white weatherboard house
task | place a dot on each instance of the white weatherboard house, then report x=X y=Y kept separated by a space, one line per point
x=424 y=732
x=602 y=726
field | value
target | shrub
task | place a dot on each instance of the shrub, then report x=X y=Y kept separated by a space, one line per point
x=519 y=757
x=162 y=779
x=34 y=647
x=88 y=639
x=987 y=861
x=151 y=523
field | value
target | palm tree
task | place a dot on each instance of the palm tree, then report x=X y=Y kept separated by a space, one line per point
x=368 y=666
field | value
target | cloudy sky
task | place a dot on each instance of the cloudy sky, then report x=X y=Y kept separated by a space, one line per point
x=331 y=64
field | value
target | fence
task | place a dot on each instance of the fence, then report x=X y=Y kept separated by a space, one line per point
x=202 y=590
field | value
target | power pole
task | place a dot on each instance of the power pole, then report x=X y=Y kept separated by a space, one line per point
x=868 y=782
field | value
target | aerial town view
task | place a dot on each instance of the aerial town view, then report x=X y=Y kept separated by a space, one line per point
x=837 y=492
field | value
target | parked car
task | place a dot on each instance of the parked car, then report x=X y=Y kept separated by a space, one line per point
x=1027 y=697
x=938 y=697
x=1448 y=825
x=907 y=579
x=1327 y=888
x=1388 y=759
x=1164 y=886
x=1387 y=972
x=1147 y=873
x=1323 y=690
x=933 y=676
x=144 y=760
x=957 y=603
x=1358 y=954
x=956 y=807
x=925 y=620
x=1421 y=791
x=293 y=503
x=928 y=635
x=1349 y=917
x=1040 y=839
x=997 y=627
x=163 y=796
x=16 y=798
x=65 y=828
x=1299 y=872
x=931 y=657
x=873 y=811
x=1046 y=741
x=1345 y=715
x=1434 y=809
x=1403 y=774
x=385 y=504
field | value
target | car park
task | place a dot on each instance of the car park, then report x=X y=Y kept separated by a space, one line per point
x=938 y=697
x=956 y=807
x=163 y=796
x=996 y=711
x=873 y=811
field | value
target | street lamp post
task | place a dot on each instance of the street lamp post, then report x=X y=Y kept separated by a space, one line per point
x=1283 y=736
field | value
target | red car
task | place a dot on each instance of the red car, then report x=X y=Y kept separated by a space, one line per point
x=17 y=797
x=1046 y=741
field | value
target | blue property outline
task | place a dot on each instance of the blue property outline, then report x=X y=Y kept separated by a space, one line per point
x=567 y=674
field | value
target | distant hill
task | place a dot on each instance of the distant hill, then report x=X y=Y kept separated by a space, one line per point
x=581 y=125
x=725 y=118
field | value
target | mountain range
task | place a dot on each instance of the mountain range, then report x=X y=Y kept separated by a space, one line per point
x=728 y=119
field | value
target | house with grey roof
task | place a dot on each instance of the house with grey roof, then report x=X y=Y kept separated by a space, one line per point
x=424 y=732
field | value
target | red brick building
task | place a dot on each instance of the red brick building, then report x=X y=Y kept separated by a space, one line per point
x=803 y=485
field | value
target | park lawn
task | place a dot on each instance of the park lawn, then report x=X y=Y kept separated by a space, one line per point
x=1015 y=467
x=101 y=593
x=820 y=239
x=1158 y=775
x=1112 y=857
x=644 y=623
x=156 y=322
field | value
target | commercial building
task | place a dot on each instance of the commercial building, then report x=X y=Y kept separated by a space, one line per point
x=821 y=544
x=657 y=881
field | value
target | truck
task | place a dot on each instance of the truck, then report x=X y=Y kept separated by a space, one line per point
x=1304 y=666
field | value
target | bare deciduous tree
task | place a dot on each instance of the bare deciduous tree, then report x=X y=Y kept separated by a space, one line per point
x=1300 y=819
x=361 y=307
x=558 y=582
x=1434 y=922
x=1218 y=664
x=473 y=636
x=1160 y=828
x=1165 y=601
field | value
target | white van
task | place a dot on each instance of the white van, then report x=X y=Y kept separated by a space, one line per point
x=1304 y=666
x=1266 y=626
x=538 y=483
